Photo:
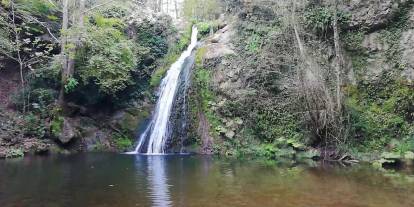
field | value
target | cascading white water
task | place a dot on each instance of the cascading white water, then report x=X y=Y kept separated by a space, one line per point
x=158 y=130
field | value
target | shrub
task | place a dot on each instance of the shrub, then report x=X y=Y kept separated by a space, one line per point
x=56 y=126
x=42 y=96
x=14 y=153
x=320 y=19
x=204 y=28
x=34 y=127
x=380 y=113
x=122 y=142
x=107 y=60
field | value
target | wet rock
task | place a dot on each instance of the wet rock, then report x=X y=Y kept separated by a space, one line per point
x=68 y=132
x=130 y=119
x=35 y=146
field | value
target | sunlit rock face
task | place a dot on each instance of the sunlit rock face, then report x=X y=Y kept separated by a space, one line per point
x=373 y=14
x=407 y=48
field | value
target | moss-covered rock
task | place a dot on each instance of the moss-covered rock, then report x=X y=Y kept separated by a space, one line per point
x=130 y=119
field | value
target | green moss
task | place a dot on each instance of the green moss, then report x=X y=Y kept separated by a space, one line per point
x=34 y=126
x=165 y=65
x=57 y=126
x=133 y=118
x=102 y=21
x=172 y=56
x=353 y=40
x=254 y=43
x=205 y=28
x=380 y=113
x=35 y=7
x=122 y=142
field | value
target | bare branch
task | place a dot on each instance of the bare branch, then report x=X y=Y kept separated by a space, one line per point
x=43 y=25
x=97 y=6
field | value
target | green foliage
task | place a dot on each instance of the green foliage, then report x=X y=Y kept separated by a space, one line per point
x=107 y=60
x=111 y=22
x=202 y=79
x=201 y=10
x=42 y=97
x=272 y=124
x=56 y=126
x=254 y=43
x=172 y=56
x=153 y=35
x=380 y=112
x=34 y=126
x=353 y=40
x=114 y=11
x=6 y=43
x=392 y=34
x=14 y=153
x=320 y=19
x=207 y=98
x=271 y=151
x=122 y=142
x=205 y=28
x=71 y=85
x=36 y=7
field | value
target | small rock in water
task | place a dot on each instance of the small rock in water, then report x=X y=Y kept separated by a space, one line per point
x=111 y=185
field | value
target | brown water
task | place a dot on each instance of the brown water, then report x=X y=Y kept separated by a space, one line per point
x=110 y=180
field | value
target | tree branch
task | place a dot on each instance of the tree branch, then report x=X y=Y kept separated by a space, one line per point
x=43 y=25
x=97 y=6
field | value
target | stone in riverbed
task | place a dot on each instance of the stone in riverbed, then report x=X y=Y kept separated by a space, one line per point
x=35 y=146
x=68 y=132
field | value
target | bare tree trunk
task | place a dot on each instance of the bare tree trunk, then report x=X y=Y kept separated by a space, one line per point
x=64 y=56
x=339 y=58
x=160 y=5
x=176 y=9
x=81 y=20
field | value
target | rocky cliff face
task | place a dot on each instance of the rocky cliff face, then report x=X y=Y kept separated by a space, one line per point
x=254 y=64
x=373 y=14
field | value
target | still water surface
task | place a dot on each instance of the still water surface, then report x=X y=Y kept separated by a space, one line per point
x=111 y=180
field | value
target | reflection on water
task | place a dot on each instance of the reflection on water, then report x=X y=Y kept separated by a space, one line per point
x=158 y=181
x=111 y=180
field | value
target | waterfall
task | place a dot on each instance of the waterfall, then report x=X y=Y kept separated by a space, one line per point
x=158 y=131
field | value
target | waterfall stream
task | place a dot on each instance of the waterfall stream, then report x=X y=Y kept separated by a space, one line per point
x=153 y=140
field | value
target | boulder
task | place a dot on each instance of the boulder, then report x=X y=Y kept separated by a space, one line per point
x=130 y=119
x=68 y=132
x=3 y=152
x=35 y=146
x=218 y=46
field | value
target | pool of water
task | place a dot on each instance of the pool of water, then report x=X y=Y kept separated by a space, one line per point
x=112 y=180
